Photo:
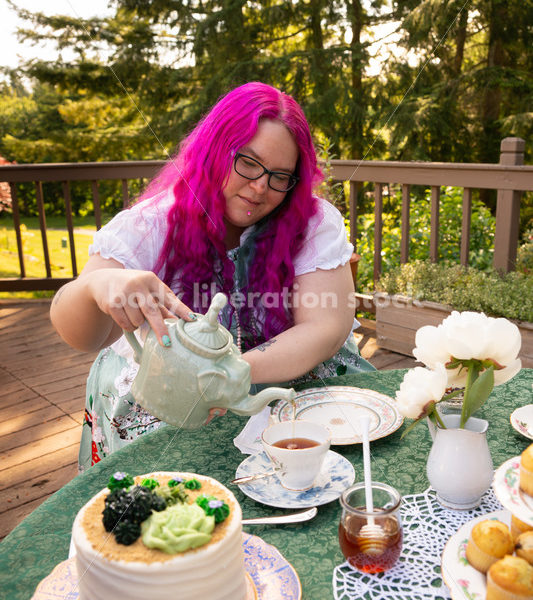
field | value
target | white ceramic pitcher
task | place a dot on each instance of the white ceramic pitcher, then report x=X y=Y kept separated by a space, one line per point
x=459 y=466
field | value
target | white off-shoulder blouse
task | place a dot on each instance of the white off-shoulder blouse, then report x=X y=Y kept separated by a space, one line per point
x=135 y=236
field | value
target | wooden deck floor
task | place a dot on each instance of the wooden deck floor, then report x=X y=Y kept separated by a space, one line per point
x=42 y=396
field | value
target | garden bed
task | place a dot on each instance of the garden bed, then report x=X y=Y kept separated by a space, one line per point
x=399 y=317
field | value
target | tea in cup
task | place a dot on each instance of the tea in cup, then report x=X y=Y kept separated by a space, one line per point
x=371 y=541
x=297 y=449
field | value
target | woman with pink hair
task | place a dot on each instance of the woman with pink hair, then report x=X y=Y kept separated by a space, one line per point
x=232 y=211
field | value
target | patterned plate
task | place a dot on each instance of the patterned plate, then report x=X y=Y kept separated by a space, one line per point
x=339 y=408
x=465 y=582
x=522 y=420
x=274 y=578
x=336 y=475
x=506 y=486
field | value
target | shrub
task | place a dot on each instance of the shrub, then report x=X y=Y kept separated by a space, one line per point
x=509 y=295
x=524 y=258
x=481 y=233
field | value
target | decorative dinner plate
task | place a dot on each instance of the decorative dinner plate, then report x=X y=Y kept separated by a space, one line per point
x=465 y=582
x=273 y=577
x=336 y=475
x=506 y=486
x=522 y=420
x=340 y=408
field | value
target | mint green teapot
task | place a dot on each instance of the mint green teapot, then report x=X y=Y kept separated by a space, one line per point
x=201 y=371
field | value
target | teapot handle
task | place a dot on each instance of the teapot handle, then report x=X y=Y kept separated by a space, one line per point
x=134 y=343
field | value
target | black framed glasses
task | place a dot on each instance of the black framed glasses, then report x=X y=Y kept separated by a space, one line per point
x=249 y=168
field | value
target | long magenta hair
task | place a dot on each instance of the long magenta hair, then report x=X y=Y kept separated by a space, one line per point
x=194 y=256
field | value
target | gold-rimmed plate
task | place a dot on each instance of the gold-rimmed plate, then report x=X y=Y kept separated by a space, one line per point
x=522 y=420
x=506 y=486
x=340 y=408
x=463 y=581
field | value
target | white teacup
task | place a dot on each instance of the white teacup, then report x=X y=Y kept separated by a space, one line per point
x=298 y=468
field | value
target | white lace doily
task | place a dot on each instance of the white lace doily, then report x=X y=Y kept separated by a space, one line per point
x=427 y=526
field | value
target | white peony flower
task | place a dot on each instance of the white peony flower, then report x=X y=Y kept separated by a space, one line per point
x=470 y=335
x=419 y=388
x=430 y=346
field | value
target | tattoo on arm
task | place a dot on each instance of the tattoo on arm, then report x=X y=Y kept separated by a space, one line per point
x=262 y=347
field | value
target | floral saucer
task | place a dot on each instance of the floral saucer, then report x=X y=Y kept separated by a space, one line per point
x=336 y=475
x=522 y=420
x=270 y=575
x=463 y=581
x=340 y=409
x=506 y=486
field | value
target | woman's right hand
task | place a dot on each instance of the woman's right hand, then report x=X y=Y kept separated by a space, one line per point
x=90 y=312
x=130 y=297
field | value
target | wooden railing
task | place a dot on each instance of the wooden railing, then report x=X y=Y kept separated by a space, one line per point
x=510 y=178
x=65 y=173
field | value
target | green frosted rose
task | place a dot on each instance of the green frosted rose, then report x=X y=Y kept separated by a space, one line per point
x=178 y=528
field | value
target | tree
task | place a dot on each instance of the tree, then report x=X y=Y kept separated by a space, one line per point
x=173 y=59
x=472 y=83
x=155 y=66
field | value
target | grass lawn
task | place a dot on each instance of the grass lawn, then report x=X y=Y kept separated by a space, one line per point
x=58 y=249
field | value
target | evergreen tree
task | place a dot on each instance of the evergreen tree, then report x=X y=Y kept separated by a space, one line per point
x=472 y=83
x=153 y=67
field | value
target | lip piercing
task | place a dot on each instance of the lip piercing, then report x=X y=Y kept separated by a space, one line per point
x=249 y=213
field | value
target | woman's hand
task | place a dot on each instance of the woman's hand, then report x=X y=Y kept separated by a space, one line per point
x=130 y=297
x=90 y=312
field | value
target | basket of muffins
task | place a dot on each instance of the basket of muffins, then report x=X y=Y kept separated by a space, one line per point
x=505 y=553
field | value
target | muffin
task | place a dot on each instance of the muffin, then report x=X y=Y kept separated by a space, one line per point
x=518 y=527
x=489 y=541
x=510 y=578
x=526 y=470
x=524 y=546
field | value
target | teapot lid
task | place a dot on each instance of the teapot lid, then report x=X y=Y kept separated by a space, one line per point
x=206 y=333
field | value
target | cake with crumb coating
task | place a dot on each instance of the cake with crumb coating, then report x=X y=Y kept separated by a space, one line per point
x=489 y=541
x=162 y=535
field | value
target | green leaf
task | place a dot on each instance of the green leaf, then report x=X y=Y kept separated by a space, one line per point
x=409 y=427
x=477 y=394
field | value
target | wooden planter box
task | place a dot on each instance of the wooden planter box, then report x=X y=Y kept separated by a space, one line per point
x=398 y=318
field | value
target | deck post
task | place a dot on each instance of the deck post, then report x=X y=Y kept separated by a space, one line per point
x=508 y=210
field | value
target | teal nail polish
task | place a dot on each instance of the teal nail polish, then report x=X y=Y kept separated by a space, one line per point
x=166 y=340
x=192 y=316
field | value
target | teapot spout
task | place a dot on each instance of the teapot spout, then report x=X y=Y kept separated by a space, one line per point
x=251 y=405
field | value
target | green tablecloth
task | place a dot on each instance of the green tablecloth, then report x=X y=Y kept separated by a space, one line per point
x=41 y=541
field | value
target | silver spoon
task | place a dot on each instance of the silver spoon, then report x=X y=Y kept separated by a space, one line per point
x=249 y=478
x=297 y=517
